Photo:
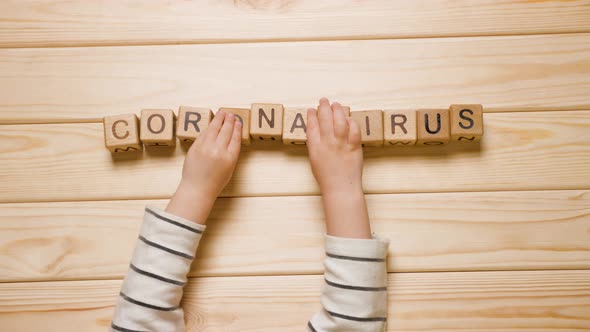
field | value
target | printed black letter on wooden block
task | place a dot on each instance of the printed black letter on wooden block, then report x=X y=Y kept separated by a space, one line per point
x=295 y=126
x=192 y=121
x=157 y=127
x=121 y=133
x=433 y=127
x=399 y=127
x=371 y=126
x=266 y=121
x=466 y=123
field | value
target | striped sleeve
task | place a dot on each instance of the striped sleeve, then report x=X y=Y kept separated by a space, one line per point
x=354 y=295
x=150 y=296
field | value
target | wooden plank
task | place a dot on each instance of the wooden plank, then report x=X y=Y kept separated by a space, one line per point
x=246 y=236
x=520 y=151
x=43 y=23
x=503 y=73
x=443 y=302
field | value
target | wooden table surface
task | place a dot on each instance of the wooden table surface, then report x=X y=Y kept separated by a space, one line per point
x=487 y=237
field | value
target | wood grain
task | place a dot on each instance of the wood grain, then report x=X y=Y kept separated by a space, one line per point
x=516 y=73
x=442 y=302
x=520 y=151
x=246 y=236
x=43 y=23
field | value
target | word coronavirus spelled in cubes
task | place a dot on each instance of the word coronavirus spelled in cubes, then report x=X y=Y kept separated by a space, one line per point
x=274 y=122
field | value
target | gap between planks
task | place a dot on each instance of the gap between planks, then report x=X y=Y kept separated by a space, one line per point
x=285 y=40
x=167 y=197
x=295 y=274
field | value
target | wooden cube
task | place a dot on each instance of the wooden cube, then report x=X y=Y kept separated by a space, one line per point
x=157 y=127
x=266 y=121
x=399 y=127
x=295 y=126
x=433 y=127
x=371 y=125
x=192 y=121
x=466 y=122
x=121 y=133
x=243 y=115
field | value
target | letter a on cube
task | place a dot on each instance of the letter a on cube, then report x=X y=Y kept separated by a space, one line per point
x=121 y=133
x=295 y=126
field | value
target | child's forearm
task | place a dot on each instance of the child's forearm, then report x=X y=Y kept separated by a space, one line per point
x=346 y=213
x=191 y=204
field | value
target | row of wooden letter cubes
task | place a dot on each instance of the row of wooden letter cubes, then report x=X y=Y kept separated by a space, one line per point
x=158 y=127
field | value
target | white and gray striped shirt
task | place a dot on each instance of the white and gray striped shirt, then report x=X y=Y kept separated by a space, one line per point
x=354 y=296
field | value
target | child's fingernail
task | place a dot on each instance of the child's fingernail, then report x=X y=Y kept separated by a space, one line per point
x=220 y=113
x=231 y=116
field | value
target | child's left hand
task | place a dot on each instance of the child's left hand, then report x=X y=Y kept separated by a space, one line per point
x=208 y=167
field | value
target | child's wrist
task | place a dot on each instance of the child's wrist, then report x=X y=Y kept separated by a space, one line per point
x=191 y=203
x=344 y=197
x=346 y=214
x=343 y=189
x=195 y=192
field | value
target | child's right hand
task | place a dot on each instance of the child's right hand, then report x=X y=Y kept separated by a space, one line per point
x=335 y=151
x=208 y=167
x=336 y=156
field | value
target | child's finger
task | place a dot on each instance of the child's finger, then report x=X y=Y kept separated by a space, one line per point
x=235 y=142
x=340 y=122
x=313 y=127
x=325 y=117
x=354 y=134
x=214 y=126
x=226 y=131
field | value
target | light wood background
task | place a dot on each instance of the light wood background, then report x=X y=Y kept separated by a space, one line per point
x=486 y=237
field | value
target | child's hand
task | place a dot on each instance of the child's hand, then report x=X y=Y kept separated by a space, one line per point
x=335 y=152
x=208 y=167
x=336 y=156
